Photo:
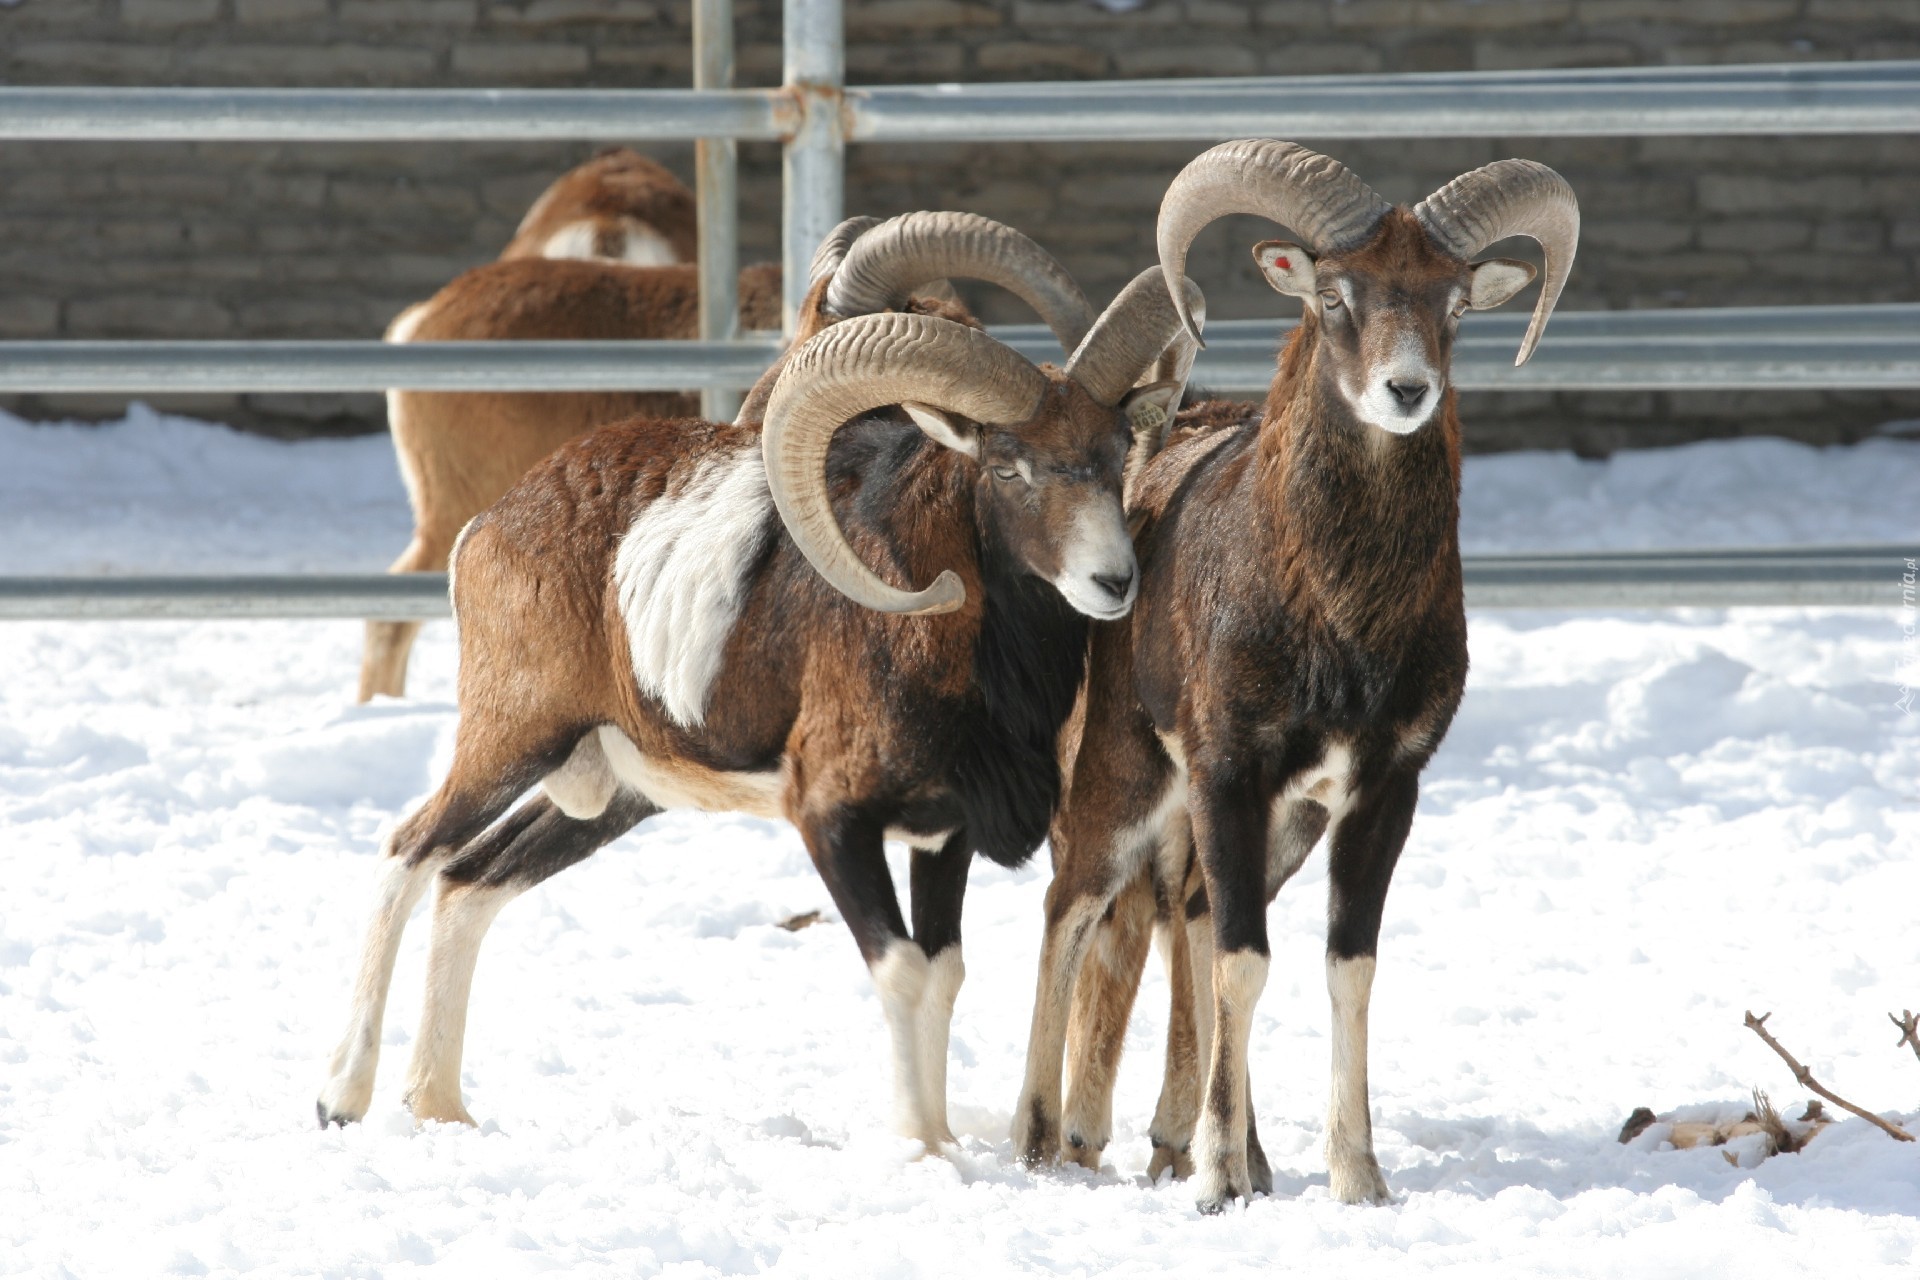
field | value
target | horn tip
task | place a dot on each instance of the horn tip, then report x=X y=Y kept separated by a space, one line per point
x=945 y=595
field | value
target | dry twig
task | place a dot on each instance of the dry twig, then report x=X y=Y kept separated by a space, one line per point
x=1909 y=1024
x=1806 y=1079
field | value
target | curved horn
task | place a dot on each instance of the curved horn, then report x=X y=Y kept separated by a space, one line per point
x=903 y=253
x=833 y=250
x=1324 y=202
x=1509 y=198
x=1130 y=335
x=858 y=365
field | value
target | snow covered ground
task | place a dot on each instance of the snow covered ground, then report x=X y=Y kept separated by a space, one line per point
x=1640 y=826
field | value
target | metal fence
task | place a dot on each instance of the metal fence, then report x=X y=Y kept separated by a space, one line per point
x=813 y=114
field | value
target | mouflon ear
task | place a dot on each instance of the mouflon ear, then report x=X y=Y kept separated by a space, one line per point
x=944 y=428
x=1151 y=407
x=1498 y=279
x=1287 y=267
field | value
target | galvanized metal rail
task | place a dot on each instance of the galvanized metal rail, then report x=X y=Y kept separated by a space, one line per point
x=1786 y=98
x=1726 y=348
x=1862 y=577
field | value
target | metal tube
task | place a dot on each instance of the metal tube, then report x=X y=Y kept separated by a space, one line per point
x=1784 y=99
x=1869 y=346
x=389 y=115
x=150 y=367
x=814 y=163
x=1788 y=98
x=1858 y=577
x=716 y=183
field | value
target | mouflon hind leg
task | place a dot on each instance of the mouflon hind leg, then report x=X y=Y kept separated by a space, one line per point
x=1103 y=997
x=537 y=841
x=420 y=845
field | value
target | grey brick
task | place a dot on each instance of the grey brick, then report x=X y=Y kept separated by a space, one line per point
x=126 y=315
x=1037 y=14
x=1219 y=15
x=449 y=14
x=561 y=13
x=1757 y=235
x=1509 y=55
x=1308 y=58
x=1291 y=15
x=1034 y=60
x=72 y=61
x=1190 y=60
x=1850 y=235
x=300 y=64
x=159 y=15
x=516 y=63
x=1724 y=193
x=29 y=317
x=1492 y=15
x=1637 y=235
x=919 y=15
x=920 y=62
x=268 y=13
x=1395 y=15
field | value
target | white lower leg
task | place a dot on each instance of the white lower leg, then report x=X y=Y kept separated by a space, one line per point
x=1200 y=963
x=461 y=914
x=1220 y=1140
x=945 y=973
x=900 y=978
x=349 y=1087
x=1036 y=1121
x=1354 y=1174
x=1179 y=1105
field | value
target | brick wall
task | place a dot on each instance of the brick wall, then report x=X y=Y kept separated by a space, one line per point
x=221 y=240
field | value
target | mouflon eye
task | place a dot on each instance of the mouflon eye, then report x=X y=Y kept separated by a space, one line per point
x=1330 y=299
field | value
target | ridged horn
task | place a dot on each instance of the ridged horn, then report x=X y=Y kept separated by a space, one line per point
x=833 y=250
x=890 y=261
x=859 y=365
x=1509 y=198
x=1130 y=335
x=1322 y=200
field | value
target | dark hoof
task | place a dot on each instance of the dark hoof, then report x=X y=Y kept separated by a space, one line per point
x=1083 y=1153
x=1165 y=1157
x=1209 y=1206
x=331 y=1118
x=1259 y=1173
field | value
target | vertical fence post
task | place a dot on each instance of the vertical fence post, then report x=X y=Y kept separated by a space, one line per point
x=813 y=169
x=716 y=183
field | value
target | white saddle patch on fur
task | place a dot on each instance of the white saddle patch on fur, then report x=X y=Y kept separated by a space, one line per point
x=681 y=575
x=640 y=244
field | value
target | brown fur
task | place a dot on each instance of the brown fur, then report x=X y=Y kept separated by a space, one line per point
x=612 y=191
x=1300 y=586
x=861 y=721
x=459 y=451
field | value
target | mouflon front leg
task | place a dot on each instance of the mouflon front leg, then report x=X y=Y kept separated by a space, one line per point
x=1365 y=847
x=1229 y=814
x=938 y=887
x=846 y=843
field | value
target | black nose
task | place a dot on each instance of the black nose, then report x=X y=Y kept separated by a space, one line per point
x=1407 y=393
x=1115 y=584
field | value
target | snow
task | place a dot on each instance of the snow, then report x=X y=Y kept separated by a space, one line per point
x=1641 y=826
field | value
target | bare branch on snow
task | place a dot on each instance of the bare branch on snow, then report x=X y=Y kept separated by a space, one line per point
x=1805 y=1077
